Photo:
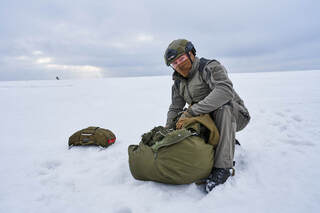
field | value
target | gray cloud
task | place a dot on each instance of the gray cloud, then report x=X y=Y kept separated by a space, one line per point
x=43 y=39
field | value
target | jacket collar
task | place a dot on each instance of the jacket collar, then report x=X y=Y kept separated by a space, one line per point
x=194 y=69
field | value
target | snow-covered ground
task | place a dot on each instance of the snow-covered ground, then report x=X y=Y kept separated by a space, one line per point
x=277 y=165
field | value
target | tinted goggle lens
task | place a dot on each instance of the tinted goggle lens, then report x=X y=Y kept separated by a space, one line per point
x=179 y=60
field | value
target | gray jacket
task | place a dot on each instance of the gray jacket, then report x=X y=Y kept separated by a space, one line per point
x=204 y=91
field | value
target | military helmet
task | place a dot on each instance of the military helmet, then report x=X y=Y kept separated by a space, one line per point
x=177 y=48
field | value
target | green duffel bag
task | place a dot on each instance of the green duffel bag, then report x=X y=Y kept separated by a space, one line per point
x=92 y=136
x=179 y=157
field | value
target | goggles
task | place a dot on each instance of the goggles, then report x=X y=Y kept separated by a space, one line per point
x=179 y=60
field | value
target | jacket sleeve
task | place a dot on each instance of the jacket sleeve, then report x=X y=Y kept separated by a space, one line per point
x=176 y=106
x=222 y=92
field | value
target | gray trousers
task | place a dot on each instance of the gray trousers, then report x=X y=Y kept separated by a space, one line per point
x=229 y=119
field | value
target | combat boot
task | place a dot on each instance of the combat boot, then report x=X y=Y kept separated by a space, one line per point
x=218 y=176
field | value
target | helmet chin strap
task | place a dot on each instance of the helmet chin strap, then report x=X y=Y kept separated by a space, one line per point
x=189 y=58
x=172 y=67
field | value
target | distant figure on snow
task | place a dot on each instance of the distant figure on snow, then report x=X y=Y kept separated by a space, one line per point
x=57 y=78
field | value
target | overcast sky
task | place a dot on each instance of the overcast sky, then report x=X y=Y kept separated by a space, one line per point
x=84 y=39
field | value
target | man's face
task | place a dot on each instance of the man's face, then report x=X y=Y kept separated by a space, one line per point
x=183 y=65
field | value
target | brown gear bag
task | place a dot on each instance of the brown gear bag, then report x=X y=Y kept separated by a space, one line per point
x=92 y=136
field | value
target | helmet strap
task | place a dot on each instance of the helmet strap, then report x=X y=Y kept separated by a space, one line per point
x=189 y=57
x=172 y=67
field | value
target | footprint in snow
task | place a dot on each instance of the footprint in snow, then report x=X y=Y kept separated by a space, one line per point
x=281 y=114
x=52 y=164
x=124 y=210
x=296 y=118
x=47 y=167
x=283 y=128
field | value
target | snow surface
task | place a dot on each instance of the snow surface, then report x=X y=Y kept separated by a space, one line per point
x=277 y=165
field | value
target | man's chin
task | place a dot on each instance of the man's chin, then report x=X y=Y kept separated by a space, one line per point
x=184 y=73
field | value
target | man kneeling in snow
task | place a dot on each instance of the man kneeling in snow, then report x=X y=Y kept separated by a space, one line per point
x=205 y=86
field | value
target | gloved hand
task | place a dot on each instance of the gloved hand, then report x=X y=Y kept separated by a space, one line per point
x=182 y=119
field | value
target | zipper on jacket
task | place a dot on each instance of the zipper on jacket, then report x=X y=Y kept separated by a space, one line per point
x=189 y=94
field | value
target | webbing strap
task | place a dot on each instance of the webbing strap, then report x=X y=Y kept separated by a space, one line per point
x=203 y=63
x=86 y=135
